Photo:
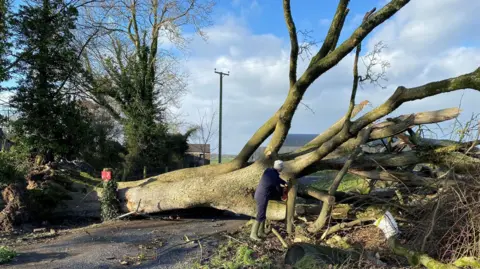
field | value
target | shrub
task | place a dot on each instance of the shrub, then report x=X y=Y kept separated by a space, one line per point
x=6 y=254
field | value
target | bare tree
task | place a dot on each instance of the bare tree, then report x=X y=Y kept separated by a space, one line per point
x=133 y=58
x=206 y=131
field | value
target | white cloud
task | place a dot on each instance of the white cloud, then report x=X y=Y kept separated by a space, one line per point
x=425 y=44
x=325 y=22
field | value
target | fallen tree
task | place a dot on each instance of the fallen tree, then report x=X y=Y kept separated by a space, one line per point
x=230 y=186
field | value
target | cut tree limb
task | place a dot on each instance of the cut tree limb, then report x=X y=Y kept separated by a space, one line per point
x=460 y=162
x=406 y=178
x=380 y=130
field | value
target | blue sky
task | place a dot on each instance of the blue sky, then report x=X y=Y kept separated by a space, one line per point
x=266 y=17
x=427 y=40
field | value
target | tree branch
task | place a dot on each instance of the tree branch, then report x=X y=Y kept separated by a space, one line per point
x=334 y=31
x=319 y=67
x=327 y=207
x=400 y=96
x=345 y=225
x=323 y=137
x=256 y=140
x=293 y=42
x=403 y=95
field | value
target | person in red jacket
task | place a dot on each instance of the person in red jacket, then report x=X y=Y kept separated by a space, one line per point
x=270 y=188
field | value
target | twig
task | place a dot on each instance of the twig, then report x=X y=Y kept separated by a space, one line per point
x=344 y=225
x=201 y=250
x=386 y=171
x=184 y=243
x=284 y=244
x=233 y=238
x=430 y=229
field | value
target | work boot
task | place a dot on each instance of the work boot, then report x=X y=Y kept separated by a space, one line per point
x=261 y=230
x=267 y=227
x=253 y=234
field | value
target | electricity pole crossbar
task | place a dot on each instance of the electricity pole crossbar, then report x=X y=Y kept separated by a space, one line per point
x=220 y=116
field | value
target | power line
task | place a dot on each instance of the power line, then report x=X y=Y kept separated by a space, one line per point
x=220 y=115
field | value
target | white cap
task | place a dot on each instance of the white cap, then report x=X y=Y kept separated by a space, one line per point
x=278 y=165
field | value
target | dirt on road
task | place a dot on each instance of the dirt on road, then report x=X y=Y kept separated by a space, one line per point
x=126 y=244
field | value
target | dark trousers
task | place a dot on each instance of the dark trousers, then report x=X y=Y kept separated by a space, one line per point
x=262 y=204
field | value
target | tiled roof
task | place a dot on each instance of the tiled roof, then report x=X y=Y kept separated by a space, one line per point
x=199 y=148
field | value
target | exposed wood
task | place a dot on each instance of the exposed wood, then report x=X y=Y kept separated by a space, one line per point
x=380 y=130
x=402 y=123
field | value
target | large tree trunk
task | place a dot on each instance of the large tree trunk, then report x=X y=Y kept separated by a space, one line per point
x=231 y=191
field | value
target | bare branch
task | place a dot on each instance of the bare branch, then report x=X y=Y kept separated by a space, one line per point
x=306 y=45
x=206 y=130
x=371 y=60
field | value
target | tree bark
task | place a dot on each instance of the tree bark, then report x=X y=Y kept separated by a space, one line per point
x=232 y=191
x=327 y=205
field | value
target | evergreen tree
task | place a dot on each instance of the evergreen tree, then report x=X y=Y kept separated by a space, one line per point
x=49 y=118
x=4 y=39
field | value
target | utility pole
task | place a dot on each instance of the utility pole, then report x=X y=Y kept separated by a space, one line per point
x=220 y=116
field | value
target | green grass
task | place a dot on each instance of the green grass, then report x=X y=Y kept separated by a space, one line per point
x=6 y=254
x=225 y=159
x=350 y=182
x=232 y=255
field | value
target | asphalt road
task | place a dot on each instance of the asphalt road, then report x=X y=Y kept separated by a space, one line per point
x=143 y=243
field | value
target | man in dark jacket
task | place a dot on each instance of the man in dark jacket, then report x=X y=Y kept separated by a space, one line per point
x=269 y=188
